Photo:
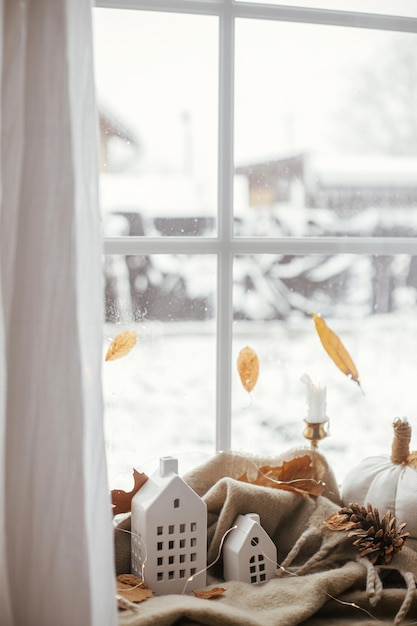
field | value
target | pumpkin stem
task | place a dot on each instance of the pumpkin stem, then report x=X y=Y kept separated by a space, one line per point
x=401 y=443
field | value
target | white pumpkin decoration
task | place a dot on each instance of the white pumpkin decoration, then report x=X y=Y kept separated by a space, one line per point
x=387 y=483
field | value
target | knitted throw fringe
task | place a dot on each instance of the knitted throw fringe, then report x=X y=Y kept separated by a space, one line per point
x=374 y=588
x=410 y=581
x=295 y=550
x=319 y=557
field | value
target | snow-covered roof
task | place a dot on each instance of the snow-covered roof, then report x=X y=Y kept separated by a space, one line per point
x=366 y=171
x=339 y=170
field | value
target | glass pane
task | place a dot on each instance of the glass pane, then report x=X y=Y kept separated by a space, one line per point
x=370 y=303
x=160 y=397
x=157 y=87
x=326 y=131
x=406 y=8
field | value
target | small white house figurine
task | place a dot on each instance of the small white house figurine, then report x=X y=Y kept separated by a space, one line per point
x=169 y=526
x=249 y=554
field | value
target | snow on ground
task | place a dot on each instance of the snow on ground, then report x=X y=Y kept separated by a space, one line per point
x=160 y=399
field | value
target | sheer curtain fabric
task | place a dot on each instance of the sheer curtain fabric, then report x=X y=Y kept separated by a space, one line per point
x=56 y=555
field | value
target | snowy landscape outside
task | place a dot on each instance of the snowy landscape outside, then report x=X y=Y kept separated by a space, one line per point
x=325 y=146
x=160 y=398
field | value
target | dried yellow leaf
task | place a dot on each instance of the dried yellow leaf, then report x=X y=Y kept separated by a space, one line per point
x=121 y=345
x=248 y=368
x=335 y=348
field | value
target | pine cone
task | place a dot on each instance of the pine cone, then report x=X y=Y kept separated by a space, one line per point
x=377 y=539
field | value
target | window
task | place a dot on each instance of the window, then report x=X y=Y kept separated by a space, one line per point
x=258 y=163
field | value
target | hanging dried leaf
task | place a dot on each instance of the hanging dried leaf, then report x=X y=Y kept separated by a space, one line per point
x=299 y=475
x=335 y=349
x=121 y=345
x=131 y=588
x=248 y=368
x=215 y=592
x=122 y=500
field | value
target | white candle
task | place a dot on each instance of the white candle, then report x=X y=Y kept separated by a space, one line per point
x=316 y=401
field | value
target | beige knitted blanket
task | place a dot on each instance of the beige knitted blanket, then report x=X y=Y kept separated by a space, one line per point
x=320 y=578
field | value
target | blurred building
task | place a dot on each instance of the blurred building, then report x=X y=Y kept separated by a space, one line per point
x=344 y=184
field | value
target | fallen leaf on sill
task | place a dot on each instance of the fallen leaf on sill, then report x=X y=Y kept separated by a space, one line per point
x=338 y=521
x=122 y=500
x=121 y=345
x=299 y=475
x=248 y=368
x=335 y=349
x=136 y=592
x=131 y=580
x=209 y=594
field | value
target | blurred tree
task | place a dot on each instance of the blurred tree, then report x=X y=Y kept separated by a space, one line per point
x=382 y=107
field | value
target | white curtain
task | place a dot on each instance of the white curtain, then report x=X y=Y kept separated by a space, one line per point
x=56 y=554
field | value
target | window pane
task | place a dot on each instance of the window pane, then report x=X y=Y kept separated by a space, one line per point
x=157 y=86
x=370 y=303
x=326 y=131
x=160 y=397
x=406 y=8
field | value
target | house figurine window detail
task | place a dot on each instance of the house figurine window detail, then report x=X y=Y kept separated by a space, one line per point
x=249 y=554
x=170 y=519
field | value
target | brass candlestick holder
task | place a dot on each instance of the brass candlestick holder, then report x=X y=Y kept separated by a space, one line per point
x=315 y=432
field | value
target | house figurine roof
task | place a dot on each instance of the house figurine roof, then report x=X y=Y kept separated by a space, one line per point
x=249 y=554
x=169 y=532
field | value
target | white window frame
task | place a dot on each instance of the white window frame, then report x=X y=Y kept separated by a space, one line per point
x=225 y=246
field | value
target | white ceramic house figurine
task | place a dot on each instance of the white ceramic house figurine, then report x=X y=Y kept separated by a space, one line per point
x=249 y=554
x=169 y=526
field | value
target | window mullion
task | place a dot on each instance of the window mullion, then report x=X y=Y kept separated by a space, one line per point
x=260 y=245
x=204 y=7
x=266 y=11
x=225 y=230
x=327 y=17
